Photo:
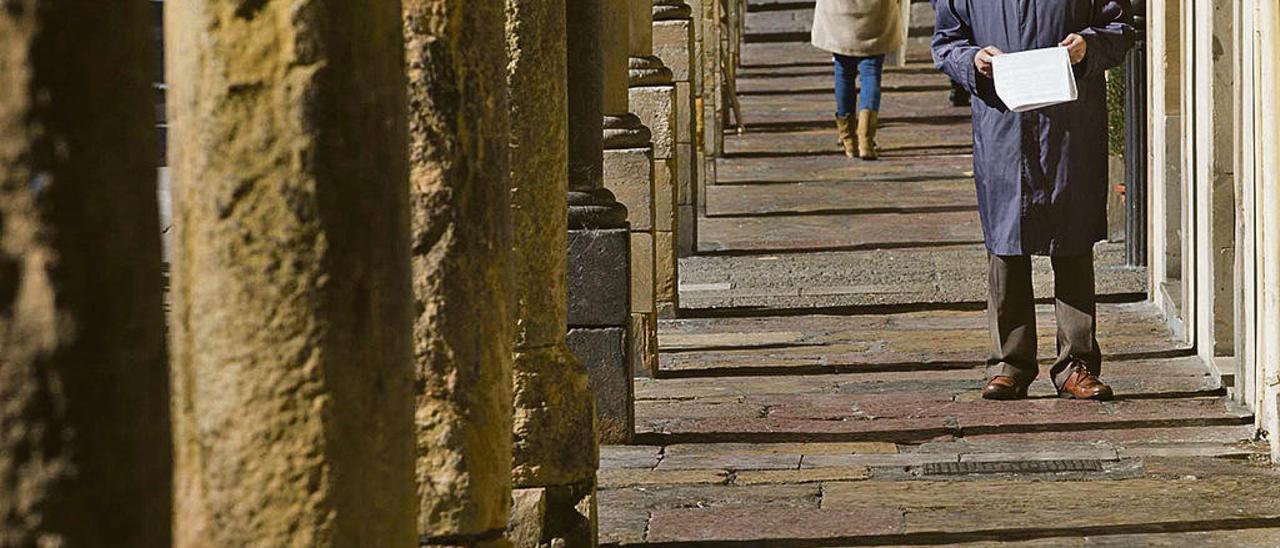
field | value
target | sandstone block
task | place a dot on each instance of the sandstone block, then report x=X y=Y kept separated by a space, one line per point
x=685 y=124
x=656 y=107
x=605 y=353
x=642 y=272
x=806 y=475
x=671 y=43
x=528 y=517
x=628 y=173
x=643 y=336
x=554 y=418
x=667 y=270
x=599 y=277
x=664 y=195
x=629 y=456
x=555 y=516
x=612 y=479
x=687 y=176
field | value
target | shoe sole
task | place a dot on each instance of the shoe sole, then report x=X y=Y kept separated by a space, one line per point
x=1099 y=397
x=995 y=397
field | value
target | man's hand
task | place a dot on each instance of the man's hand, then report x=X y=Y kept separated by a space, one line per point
x=1076 y=47
x=983 y=59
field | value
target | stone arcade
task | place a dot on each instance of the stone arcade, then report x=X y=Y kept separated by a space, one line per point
x=421 y=249
x=398 y=285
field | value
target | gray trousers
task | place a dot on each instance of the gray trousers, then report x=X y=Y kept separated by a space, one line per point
x=1011 y=312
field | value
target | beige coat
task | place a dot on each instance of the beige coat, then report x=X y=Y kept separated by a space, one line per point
x=858 y=28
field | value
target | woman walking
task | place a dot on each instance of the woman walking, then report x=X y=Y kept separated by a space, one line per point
x=858 y=33
x=1041 y=176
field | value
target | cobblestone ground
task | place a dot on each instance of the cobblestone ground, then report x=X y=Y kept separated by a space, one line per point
x=822 y=389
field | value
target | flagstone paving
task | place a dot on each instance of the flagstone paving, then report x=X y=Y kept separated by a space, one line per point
x=821 y=385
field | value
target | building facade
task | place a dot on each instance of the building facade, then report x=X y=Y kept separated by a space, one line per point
x=1214 y=190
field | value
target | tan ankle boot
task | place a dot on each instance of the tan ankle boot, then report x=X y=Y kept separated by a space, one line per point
x=867 y=120
x=846 y=126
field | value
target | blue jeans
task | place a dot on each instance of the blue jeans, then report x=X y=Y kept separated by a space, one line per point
x=848 y=71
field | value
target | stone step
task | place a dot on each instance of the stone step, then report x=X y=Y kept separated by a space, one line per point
x=818 y=81
x=927 y=107
x=804 y=463
x=803 y=233
x=908 y=164
x=787 y=284
x=893 y=141
x=1146 y=379
x=832 y=198
x=1222 y=502
x=766 y=419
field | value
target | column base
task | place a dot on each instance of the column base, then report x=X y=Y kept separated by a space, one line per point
x=554 y=418
x=599 y=319
x=493 y=539
x=607 y=353
x=554 y=516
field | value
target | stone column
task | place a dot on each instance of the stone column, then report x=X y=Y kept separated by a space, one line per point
x=555 y=445
x=599 y=260
x=628 y=173
x=292 y=370
x=673 y=43
x=84 y=388
x=734 y=19
x=712 y=91
x=459 y=195
x=653 y=99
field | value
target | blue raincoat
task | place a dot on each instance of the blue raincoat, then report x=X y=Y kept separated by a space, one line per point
x=1041 y=175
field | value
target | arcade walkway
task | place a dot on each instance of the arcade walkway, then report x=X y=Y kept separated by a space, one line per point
x=822 y=387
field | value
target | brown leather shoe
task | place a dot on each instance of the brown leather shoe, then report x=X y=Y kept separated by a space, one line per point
x=1004 y=388
x=1083 y=385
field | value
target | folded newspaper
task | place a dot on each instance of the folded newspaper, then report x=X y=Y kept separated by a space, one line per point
x=1034 y=79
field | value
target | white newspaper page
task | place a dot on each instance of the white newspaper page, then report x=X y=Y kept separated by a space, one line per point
x=1034 y=79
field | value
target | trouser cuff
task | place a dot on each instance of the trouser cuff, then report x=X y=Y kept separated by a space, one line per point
x=1022 y=374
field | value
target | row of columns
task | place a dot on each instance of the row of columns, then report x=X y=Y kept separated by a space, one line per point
x=664 y=129
x=667 y=97
x=416 y=244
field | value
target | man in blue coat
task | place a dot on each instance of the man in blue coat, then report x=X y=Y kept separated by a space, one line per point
x=1041 y=176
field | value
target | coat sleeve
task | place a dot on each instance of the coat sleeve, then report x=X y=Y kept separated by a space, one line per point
x=953 y=48
x=1109 y=36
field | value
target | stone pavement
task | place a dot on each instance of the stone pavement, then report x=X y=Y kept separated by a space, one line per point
x=821 y=387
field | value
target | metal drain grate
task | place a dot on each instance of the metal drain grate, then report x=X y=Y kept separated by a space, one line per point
x=1012 y=467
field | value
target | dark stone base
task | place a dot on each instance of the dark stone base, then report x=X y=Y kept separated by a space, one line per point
x=599 y=277
x=604 y=352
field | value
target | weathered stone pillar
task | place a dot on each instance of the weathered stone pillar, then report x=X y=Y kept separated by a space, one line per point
x=555 y=442
x=84 y=388
x=712 y=90
x=459 y=195
x=673 y=42
x=628 y=173
x=653 y=99
x=293 y=373
x=734 y=18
